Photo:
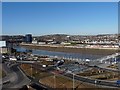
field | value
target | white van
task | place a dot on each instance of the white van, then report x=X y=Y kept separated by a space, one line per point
x=12 y=58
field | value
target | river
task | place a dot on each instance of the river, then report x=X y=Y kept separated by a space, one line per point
x=60 y=54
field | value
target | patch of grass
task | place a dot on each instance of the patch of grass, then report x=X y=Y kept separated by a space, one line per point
x=99 y=74
x=37 y=73
x=114 y=66
x=63 y=82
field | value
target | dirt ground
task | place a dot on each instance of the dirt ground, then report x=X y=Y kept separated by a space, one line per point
x=63 y=82
x=37 y=73
x=100 y=74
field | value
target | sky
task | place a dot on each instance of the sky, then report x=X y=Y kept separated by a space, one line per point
x=43 y=18
x=0 y=18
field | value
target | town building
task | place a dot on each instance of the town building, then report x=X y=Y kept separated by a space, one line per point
x=28 y=38
x=3 y=48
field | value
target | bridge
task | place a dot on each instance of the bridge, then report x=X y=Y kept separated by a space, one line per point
x=103 y=59
x=108 y=57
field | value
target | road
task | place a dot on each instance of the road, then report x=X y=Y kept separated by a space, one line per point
x=87 y=80
x=99 y=82
x=15 y=75
x=38 y=84
x=20 y=76
x=103 y=83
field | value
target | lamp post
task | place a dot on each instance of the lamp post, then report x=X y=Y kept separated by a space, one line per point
x=54 y=78
x=36 y=68
x=31 y=70
x=73 y=81
x=115 y=60
x=54 y=81
x=95 y=82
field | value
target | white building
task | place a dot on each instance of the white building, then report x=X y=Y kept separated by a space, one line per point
x=3 y=48
x=2 y=43
x=41 y=43
x=34 y=42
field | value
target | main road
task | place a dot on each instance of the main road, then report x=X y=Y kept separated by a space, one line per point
x=16 y=77
x=21 y=79
x=92 y=81
x=103 y=83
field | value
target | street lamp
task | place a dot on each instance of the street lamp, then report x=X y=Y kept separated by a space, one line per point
x=36 y=68
x=31 y=70
x=54 y=81
x=95 y=82
x=54 y=78
x=115 y=60
x=73 y=81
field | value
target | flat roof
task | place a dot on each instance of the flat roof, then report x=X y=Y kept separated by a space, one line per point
x=2 y=43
